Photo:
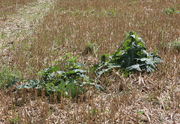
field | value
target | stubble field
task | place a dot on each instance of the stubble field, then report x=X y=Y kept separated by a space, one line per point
x=88 y=29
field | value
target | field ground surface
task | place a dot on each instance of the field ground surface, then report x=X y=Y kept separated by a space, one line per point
x=8 y=7
x=40 y=32
x=22 y=24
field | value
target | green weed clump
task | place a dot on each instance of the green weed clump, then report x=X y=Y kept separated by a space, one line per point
x=170 y=11
x=130 y=57
x=175 y=45
x=67 y=79
x=8 y=77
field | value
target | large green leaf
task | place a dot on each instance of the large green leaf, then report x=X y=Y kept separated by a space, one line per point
x=131 y=56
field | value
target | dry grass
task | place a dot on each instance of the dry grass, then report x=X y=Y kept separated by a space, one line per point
x=70 y=27
x=8 y=7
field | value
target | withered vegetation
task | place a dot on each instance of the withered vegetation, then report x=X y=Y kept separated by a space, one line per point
x=89 y=29
x=8 y=7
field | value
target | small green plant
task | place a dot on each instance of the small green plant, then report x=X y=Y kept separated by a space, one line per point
x=2 y=35
x=15 y=120
x=68 y=79
x=110 y=12
x=171 y=11
x=8 y=77
x=94 y=111
x=131 y=57
x=175 y=45
x=141 y=112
